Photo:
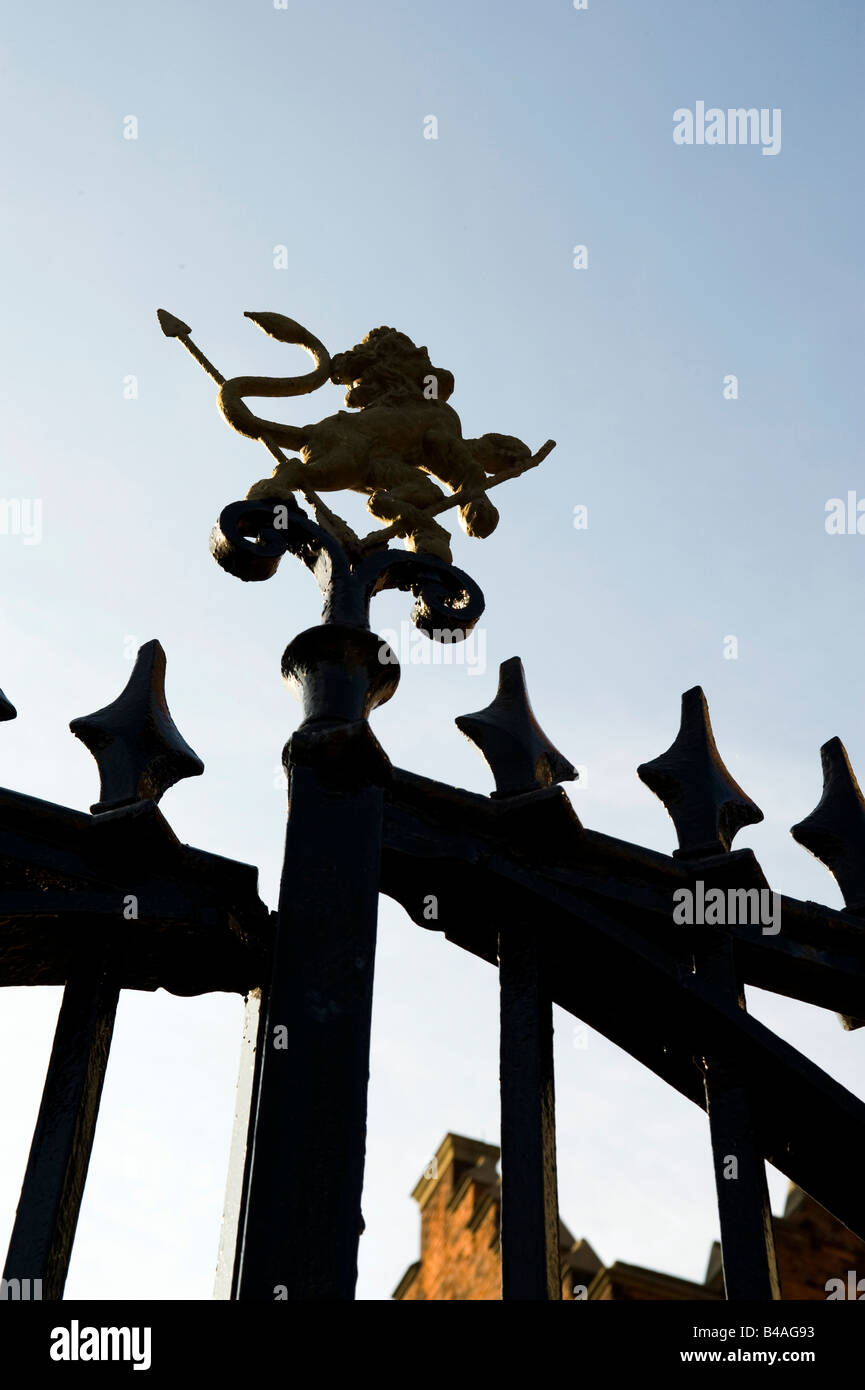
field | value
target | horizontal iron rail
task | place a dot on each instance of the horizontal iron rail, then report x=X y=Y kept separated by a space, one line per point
x=622 y=983
x=818 y=956
x=177 y=917
x=171 y=943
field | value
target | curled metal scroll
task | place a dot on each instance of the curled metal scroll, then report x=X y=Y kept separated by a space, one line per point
x=250 y=539
x=448 y=601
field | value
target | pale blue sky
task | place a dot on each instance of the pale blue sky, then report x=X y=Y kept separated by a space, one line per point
x=303 y=127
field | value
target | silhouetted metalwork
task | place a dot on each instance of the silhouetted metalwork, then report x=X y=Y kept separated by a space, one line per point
x=137 y=746
x=705 y=804
x=103 y=902
x=835 y=829
x=47 y=1215
x=302 y=1215
x=519 y=754
x=567 y=915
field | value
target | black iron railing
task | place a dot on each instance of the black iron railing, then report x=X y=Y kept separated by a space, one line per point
x=569 y=916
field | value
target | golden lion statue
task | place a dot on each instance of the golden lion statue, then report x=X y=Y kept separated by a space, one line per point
x=403 y=437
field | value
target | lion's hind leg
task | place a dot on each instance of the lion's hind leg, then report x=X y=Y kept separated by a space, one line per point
x=407 y=502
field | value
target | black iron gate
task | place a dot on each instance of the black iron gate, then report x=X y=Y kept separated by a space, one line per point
x=651 y=950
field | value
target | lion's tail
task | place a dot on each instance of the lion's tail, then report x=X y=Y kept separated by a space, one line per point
x=231 y=393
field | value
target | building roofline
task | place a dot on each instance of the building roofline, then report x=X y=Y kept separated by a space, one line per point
x=453 y=1148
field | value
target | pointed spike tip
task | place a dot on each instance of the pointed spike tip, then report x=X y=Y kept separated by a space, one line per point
x=834 y=832
x=704 y=801
x=137 y=746
x=834 y=758
x=516 y=749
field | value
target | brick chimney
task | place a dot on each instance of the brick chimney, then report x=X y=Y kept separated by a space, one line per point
x=459 y=1196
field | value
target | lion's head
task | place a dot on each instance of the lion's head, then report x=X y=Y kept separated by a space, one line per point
x=387 y=369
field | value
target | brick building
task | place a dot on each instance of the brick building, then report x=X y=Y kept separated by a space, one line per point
x=458 y=1196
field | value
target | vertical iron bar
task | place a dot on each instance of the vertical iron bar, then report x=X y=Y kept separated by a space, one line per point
x=744 y=1211
x=47 y=1215
x=303 y=1217
x=747 y=1239
x=237 y=1182
x=530 y=1214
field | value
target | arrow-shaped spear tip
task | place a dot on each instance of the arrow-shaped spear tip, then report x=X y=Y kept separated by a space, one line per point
x=172 y=327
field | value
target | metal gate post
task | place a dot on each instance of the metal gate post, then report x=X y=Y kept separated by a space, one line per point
x=301 y=1225
x=303 y=1217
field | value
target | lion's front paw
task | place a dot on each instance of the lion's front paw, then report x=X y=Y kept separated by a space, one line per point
x=270 y=489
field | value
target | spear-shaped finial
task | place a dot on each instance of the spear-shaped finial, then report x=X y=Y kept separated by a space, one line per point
x=512 y=741
x=705 y=804
x=7 y=709
x=173 y=327
x=138 y=748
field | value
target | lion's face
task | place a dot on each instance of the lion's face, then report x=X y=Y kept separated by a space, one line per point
x=387 y=368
